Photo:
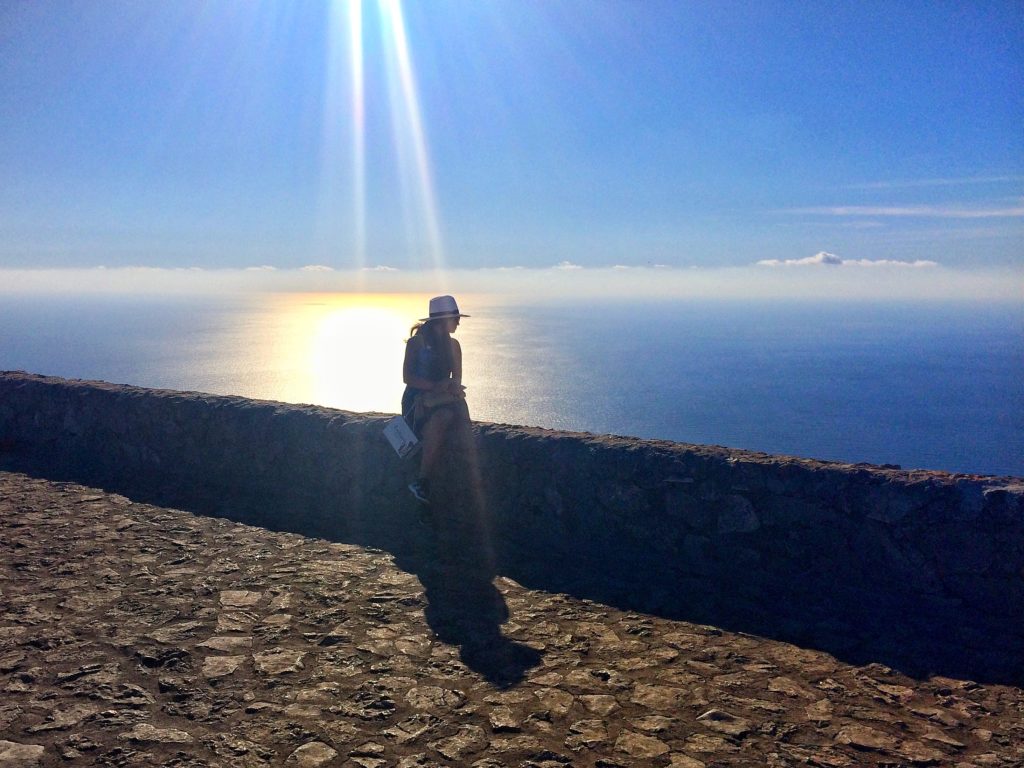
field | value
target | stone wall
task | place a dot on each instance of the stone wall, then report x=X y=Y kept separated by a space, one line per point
x=915 y=569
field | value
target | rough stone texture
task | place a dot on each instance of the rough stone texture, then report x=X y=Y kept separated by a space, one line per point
x=14 y=755
x=219 y=666
x=922 y=571
x=311 y=755
x=84 y=682
x=144 y=732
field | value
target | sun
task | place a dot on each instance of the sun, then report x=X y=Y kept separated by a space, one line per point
x=352 y=356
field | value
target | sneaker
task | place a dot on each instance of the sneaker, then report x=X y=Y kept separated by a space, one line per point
x=419 y=490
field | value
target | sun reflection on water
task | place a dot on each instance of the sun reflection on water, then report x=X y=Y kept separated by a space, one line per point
x=345 y=350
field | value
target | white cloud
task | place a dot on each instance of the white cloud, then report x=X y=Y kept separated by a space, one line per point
x=868 y=224
x=890 y=263
x=566 y=265
x=823 y=258
x=264 y=268
x=380 y=268
x=819 y=258
x=316 y=268
x=935 y=182
x=921 y=211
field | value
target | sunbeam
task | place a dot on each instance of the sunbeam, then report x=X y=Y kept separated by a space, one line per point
x=399 y=47
x=410 y=218
x=330 y=233
x=358 y=130
x=346 y=171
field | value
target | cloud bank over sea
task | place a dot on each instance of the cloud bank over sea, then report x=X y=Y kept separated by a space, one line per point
x=823 y=276
x=825 y=259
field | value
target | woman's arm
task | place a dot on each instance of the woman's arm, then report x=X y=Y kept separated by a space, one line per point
x=456 y=382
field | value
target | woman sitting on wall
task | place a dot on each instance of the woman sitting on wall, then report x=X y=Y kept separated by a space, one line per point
x=434 y=398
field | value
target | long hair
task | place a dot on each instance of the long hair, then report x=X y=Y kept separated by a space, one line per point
x=436 y=336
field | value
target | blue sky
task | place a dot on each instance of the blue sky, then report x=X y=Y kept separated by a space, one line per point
x=708 y=134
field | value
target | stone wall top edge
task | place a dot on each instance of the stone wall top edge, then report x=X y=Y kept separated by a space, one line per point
x=179 y=394
x=662 y=449
x=741 y=458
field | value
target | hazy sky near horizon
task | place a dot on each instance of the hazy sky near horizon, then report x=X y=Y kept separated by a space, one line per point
x=226 y=134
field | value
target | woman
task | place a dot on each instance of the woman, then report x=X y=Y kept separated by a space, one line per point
x=434 y=397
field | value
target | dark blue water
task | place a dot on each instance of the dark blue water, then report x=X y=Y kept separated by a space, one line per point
x=929 y=386
x=919 y=385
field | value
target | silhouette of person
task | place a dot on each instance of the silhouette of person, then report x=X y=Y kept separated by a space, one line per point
x=434 y=400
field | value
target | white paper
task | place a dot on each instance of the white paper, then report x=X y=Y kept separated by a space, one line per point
x=400 y=436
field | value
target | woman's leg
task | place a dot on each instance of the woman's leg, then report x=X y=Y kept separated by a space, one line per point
x=433 y=436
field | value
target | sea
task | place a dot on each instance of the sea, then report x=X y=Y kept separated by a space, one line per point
x=916 y=384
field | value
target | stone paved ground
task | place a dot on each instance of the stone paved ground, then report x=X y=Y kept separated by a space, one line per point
x=135 y=635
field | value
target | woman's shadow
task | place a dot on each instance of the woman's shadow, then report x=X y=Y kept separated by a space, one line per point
x=455 y=562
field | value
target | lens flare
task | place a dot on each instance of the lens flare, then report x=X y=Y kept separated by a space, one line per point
x=397 y=43
x=358 y=129
x=345 y=170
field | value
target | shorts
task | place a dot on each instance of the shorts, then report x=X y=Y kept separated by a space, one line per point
x=419 y=405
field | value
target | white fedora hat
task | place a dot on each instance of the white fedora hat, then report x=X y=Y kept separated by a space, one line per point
x=443 y=306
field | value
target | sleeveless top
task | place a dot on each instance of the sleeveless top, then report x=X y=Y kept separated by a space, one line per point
x=426 y=364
